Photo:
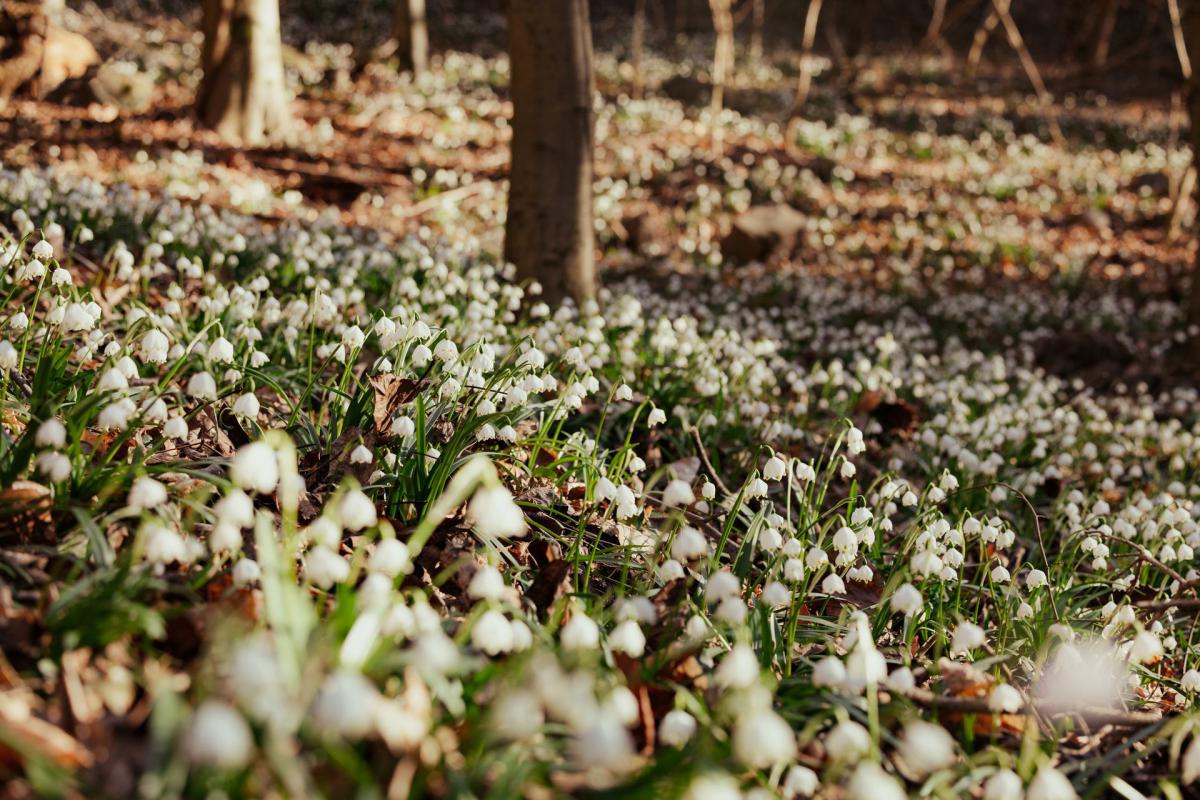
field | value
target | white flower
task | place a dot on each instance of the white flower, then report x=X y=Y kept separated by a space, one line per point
x=255 y=468
x=776 y=595
x=220 y=351
x=580 y=633
x=926 y=747
x=390 y=558
x=43 y=250
x=623 y=392
x=246 y=572
x=722 y=584
x=738 y=669
x=54 y=465
x=51 y=433
x=492 y=633
x=403 y=426
x=688 y=544
x=833 y=584
x=154 y=347
x=246 y=406
x=19 y=321
x=907 y=599
x=801 y=782
x=967 y=636
x=486 y=584
x=146 y=493
x=175 y=428
x=112 y=380
x=848 y=741
x=848 y=469
x=1191 y=762
x=1050 y=784
x=202 y=386
x=775 y=469
x=628 y=638
x=361 y=455
x=713 y=786
x=870 y=782
x=115 y=416
x=345 y=706
x=1005 y=699
x=495 y=515
x=678 y=493
x=353 y=337
x=676 y=728
x=829 y=672
x=356 y=511
x=517 y=714
x=1035 y=578
x=324 y=567
x=1003 y=785
x=656 y=417
x=762 y=739
x=1190 y=682
x=164 y=545
x=1145 y=648
x=218 y=736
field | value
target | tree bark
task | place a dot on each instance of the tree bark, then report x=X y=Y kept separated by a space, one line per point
x=548 y=233
x=1190 y=29
x=243 y=95
x=411 y=34
x=758 y=21
x=638 y=46
x=722 y=16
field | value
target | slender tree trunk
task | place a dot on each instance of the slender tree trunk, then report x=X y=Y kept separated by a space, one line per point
x=243 y=95
x=722 y=17
x=637 y=46
x=411 y=35
x=933 y=34
x=804 y=82
x=1189 y=32
x=984 y=32
x=548 y=234
x=1104 y=33
x=758 y=21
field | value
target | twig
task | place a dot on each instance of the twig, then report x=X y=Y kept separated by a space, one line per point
x=1143 y=553
x=979 y=705
x=434 y=202
x=1181 y=603
x=703 y=454
x=1045 y=99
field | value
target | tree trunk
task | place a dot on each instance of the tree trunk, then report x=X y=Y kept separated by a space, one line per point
x=1104 y=33
x=243 y=96
x=637 y=46
x=411 y=35
x=758 y=21
x=1190 y=28
x=548 y=234
x=722 y=16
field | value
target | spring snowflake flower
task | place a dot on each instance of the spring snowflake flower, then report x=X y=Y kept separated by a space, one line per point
x=175 y=428
x=115 y=416
x=146 y=493
x=848 y=469
x=1191 y=762
x=1050 y=784
x=738 y=669
x=1190 y=682
x=495 y=515
x=1145 y=648
x=833 y=584
x=43 y=250
x=361 y=455
x=353 y=338
x=756 y=487
x=403 y=426
x=390 y=557
x=775 y=469
x=623 y=393
x=1005 y=699
x=713 y=786
x=345 y=706
x=255 y=468
x=201 y=386
x=688 y=544
x=113 y=380
x=678 y=493
x=51 y=433
x=722 y=584
x=219 y=737
x=676 y=728
x=967 y=636
x=246 y=572
x=356 y=511
x=492 y=633
x=1000 y=575
x=870 y=782
x=19 y=322
x=854 y=441
x=580 y=633
x=926 y=747
x=486 y=584
x=830 y=673
x=220 y=351
x=325 y=568
x=628 y=638
x=776 y=595
x=847 y=742
x=656 y=417
x=1003 y=785
x=54 y=465
x=1035 y=578
x=800 y=782
x=165 y=546
x=907 y=600
x=762 y=739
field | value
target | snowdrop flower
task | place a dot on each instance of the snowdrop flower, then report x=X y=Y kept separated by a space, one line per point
x=218 y=736
x=1003 y=785
x=580 y=633
x=201 y=386
x=51 y=433
x=146 y=493
x=676 y=728
x=926 y=747
x=255 y=468
x=1004 y=699
x=967 y=636
x=495 y=515
x=907 y=600
x=356 y=511
x=1050 y=784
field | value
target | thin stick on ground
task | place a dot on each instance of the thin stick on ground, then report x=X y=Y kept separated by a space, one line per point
x=703 y=455
x=1017 y=43
x=979 y=705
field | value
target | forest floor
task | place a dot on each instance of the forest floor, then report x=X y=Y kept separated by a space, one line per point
x=771 y=520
